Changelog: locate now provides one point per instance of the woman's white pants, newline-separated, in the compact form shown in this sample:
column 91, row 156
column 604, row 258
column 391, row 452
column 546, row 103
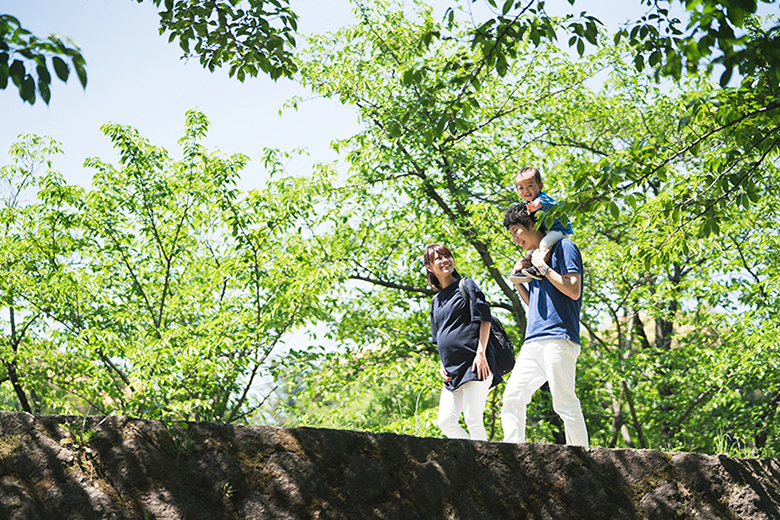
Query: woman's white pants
column 469, row 398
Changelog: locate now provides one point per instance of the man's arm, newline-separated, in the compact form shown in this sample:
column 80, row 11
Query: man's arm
column 522, row 289
column 570, row 284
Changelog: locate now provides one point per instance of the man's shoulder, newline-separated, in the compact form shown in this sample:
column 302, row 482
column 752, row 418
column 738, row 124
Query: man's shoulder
column 565, row 245
column 567, row 252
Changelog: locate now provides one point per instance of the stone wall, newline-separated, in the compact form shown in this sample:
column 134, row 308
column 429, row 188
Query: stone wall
column 55, row 467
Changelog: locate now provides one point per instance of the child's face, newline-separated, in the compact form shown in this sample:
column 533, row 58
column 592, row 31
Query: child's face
column 527, row 186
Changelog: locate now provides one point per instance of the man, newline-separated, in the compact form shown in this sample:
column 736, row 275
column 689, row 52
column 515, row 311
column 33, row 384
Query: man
column 552, row 339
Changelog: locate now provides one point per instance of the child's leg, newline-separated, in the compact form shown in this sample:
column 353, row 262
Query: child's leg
column 550, row 239
column 545, row 246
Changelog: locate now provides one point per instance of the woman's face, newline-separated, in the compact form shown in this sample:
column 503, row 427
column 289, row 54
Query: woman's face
column 442, row 265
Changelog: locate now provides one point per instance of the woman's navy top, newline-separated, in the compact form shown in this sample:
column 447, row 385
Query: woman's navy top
column 455, row 331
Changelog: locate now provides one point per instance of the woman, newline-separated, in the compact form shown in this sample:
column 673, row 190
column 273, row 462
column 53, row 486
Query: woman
column 460, row 328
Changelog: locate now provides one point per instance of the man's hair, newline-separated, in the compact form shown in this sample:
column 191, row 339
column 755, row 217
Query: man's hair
column 518, row 214
column 526, row 169
column 431, row 252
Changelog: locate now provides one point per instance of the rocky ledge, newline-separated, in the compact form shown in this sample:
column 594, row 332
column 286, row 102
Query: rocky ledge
column 57, row 467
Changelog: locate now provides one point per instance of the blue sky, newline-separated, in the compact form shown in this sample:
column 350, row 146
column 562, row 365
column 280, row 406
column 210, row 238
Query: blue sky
column 136, row 77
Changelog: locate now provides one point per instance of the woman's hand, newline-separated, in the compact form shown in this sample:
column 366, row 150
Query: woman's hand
column 444, row 375
column 480, row 366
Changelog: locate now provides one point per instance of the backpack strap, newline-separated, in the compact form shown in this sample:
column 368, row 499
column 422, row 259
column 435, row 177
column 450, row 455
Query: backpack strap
column 462, row 289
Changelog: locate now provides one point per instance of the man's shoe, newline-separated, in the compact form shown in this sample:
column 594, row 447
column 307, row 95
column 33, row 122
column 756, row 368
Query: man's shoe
column 519, row 278
column 532, row 272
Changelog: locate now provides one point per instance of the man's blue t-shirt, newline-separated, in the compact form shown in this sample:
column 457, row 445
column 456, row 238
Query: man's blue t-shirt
column 552, row 314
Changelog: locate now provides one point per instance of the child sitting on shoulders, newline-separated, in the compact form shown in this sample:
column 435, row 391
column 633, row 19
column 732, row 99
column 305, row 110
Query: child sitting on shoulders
column 528, row 182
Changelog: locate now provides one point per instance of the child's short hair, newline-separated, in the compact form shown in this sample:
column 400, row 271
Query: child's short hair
column 526, row 169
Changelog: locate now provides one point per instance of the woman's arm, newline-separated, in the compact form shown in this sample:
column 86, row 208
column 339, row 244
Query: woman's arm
column 480, row 366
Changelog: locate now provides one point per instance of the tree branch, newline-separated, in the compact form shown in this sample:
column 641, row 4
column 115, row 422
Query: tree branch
column 393, row 285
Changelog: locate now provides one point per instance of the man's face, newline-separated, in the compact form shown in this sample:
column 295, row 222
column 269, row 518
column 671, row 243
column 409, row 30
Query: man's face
column 525, row 237
column 527, row 186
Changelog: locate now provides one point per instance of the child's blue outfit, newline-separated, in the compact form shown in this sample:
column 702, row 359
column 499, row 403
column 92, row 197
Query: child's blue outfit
column 547, row 204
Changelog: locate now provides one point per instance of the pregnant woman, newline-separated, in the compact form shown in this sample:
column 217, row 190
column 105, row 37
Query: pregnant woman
column 460, row 328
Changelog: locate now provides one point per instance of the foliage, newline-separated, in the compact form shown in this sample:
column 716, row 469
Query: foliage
column 249, row 36
column 718, row 33
column 443, row 137
column 20, row 50
column 673, row 327
column 162, row 292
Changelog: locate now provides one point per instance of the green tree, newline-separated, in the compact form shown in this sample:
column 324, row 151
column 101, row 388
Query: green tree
column 248, row 36
column 717, row 33
column 19, row 181
column 443, row 136
column 20, row 49
column 162, row 292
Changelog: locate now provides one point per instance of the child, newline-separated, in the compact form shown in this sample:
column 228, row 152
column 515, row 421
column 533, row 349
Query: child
column 528, row 182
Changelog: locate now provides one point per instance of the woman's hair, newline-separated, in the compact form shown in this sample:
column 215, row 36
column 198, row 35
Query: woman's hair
column 431, row 252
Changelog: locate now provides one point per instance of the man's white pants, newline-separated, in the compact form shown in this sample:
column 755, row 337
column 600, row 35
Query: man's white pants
column 552, row 360
column 468, row 398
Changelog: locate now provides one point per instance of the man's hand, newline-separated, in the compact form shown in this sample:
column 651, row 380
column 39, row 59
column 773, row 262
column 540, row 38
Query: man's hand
column 444, row 375
column 521, row 264
column 539, row 258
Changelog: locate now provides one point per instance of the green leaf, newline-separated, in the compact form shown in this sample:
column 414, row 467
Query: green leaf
column 27, row 89
column 61, row 68
column 43, row 89
column 725, row 77
column 639, row 62
column 78, row 64
column 17, row 72
column 507, row 7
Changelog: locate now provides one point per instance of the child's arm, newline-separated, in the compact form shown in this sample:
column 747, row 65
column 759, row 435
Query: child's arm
column 534, row 205
column 542, row 201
